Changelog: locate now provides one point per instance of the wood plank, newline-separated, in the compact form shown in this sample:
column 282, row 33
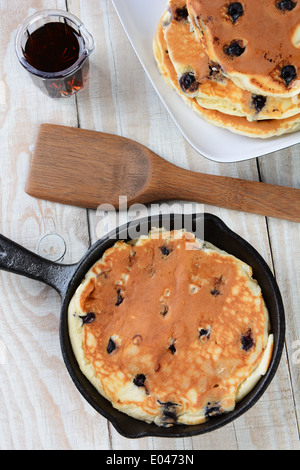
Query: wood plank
column 42, row 409
column 284, row 167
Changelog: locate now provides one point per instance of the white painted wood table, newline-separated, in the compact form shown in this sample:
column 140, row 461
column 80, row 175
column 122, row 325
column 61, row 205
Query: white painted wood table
column 39, row 406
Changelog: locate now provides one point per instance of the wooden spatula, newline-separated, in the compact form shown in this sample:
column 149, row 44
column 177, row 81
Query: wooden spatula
column 88, row 168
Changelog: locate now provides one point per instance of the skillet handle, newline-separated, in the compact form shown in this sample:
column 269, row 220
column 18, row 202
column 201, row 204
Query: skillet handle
column 18, row 260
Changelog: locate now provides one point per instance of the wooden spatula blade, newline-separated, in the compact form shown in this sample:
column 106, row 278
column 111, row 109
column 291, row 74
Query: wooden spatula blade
column 85, row 168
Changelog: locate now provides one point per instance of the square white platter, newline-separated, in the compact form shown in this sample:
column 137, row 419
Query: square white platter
column 139, row 19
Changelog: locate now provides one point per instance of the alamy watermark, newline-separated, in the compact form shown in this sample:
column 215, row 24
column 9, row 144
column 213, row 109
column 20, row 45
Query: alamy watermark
column 170, row 216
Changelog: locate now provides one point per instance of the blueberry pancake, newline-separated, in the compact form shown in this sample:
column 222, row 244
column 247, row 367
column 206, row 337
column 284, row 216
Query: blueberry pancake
column 256, row 44
column 200, row 78
column 170, row 329
column 240, row 125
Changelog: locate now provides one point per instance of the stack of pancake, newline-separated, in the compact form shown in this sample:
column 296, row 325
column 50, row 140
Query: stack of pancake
column 237, row 64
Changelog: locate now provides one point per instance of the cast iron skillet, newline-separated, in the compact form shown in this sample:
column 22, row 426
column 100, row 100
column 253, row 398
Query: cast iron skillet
column 66, row 278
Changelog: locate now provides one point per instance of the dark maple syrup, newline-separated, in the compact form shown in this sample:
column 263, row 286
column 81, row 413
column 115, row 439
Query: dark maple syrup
column 53, row 48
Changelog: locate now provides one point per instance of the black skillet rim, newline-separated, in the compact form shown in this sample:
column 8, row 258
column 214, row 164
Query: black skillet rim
column 128, row 426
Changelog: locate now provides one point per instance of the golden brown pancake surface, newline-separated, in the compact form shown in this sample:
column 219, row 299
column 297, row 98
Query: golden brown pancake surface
column 202, row 79
column 169, row 328
column 256, row 43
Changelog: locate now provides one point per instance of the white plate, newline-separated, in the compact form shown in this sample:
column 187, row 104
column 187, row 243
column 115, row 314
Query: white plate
column 139, row 19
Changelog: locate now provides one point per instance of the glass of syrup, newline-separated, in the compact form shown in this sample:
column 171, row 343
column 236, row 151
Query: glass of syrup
column 54, row 47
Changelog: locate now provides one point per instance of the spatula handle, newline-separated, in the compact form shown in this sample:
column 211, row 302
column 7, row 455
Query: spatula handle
column 237, row 194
